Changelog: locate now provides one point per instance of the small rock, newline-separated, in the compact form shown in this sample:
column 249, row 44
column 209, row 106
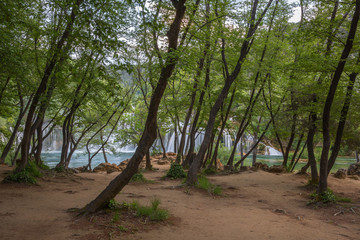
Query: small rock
column 341, row 173
column 354, row 169
column 107, row 167
column 259, row 165
column 278, row 210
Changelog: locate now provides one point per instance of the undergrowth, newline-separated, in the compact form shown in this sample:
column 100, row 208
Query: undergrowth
column 176, row 171
column 153, row 212
column 28, row 175
column 327, row 197
column 209, row 171
column 139, row 177
column 205, row 184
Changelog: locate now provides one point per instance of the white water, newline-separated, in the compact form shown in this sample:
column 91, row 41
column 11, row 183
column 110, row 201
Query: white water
column 52, row 148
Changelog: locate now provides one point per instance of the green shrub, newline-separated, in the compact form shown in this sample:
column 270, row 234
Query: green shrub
column 113, row 204
column 205, row 184
column 209, row 171
column 139, row 177
column 153, row 212
column 43, row 166
column 28, row 175
column 20, row 177
column 59, row 169
column 326, row 197
column 33, row 169
column 175, row 171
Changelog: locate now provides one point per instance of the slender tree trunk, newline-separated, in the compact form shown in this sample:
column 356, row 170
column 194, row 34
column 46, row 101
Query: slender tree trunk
column 103, row 146
column 148, row 165
column 330, row 98
column 310, row 149
column 149, row 134
column 25, row 144
column 224, row 120
column 4, row 88
column 161, row 143
column 39, row 144
column 255, row 139
column 357, row 156
column 190, row 156
column 342, row 121
column 9, row 144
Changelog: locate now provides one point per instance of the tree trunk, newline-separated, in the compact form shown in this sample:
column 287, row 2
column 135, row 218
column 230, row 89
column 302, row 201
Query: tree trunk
column 102, row 146
column 149, row 134
column 161, row 143
column 25, row 144
column 148, row 165
column 255, row 139
column 342, row 121
column 357, row 156
column 310, row 149
column 330, row 98
column 9, row 144
column 213, row 160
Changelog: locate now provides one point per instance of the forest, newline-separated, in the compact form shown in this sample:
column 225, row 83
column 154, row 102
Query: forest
column 283, row 73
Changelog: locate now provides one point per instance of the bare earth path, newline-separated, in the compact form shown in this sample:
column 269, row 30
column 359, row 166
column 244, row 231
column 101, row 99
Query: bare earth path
column 253, row 205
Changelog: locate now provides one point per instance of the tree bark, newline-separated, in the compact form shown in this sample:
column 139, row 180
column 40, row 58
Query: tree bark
column 25, row 144
column 149, row 134
column 195, row 166
column 330, row 98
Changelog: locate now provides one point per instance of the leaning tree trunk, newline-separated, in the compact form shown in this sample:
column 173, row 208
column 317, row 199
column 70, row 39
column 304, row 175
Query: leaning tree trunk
column 195, row 166
column 149, row 135
column 330, row 98
column 25, row 143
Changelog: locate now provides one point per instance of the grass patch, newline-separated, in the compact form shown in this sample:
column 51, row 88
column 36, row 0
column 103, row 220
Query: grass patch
column 205, row 184
column 209, row 171
column 327, row 198
column 139, row 177
column 28, row 175
column 176, row 171
column 153, row 212
column 343, row 199
column 20, row 177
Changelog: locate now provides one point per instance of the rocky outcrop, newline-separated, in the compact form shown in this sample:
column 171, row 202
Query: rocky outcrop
column 277, row 169
column 354, row 169
column 107, row 167
column 341, row 173
column 259, row 165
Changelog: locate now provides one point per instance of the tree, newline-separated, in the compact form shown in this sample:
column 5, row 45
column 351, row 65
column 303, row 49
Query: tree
column 149, row 133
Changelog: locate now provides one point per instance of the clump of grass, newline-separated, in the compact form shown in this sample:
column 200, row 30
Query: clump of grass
column 122, row 228
column 20, row 177
column 209, row 171
column 153, row 212
column 59, row 169
column 327, row 197
column 28, row 175
column 343, row 199
column 205, row 184
column 176, row 171
column 116, row 217
column 139, row 177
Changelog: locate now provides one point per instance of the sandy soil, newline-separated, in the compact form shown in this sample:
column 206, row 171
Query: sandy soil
column 253, row 205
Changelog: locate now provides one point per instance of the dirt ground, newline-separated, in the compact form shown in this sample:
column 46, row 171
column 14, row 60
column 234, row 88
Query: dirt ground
column 253, row 205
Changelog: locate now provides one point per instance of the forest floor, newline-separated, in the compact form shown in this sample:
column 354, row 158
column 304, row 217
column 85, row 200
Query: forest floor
column 253, row 205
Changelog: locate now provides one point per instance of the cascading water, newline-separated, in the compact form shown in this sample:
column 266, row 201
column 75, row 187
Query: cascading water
column 116, row 152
